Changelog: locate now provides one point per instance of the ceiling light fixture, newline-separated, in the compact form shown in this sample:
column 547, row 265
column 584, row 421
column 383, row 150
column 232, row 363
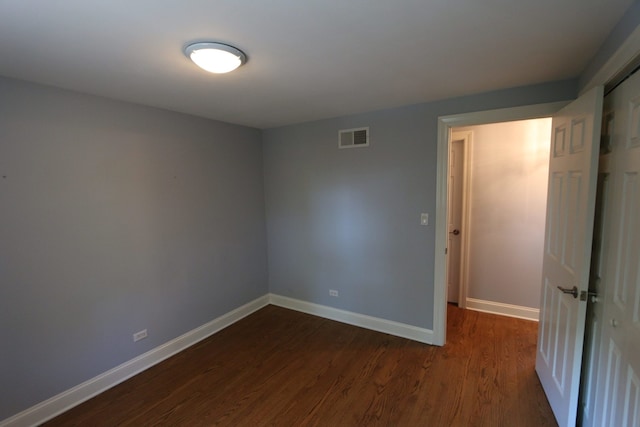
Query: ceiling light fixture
column 215, row 57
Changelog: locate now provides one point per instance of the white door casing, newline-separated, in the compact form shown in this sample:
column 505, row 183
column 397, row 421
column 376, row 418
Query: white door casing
column 445, row 125
column 567, row 250
column 616, row 401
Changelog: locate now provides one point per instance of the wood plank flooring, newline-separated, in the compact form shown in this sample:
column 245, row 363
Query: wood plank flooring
column 283, row 368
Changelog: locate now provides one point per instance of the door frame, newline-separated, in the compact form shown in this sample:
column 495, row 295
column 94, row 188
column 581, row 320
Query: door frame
column 618, row 61
column 466, row 136
column 445, row 125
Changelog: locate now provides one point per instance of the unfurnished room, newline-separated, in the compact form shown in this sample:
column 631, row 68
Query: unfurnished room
column 357, row 213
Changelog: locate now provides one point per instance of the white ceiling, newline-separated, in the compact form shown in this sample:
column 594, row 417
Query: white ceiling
column 308, row 59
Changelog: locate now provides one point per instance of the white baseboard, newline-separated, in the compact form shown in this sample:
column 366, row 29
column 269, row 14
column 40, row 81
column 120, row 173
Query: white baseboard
column 518, row 311
column 68, row 399
column 374, row 323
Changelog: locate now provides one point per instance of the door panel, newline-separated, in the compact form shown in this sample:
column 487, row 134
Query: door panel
column 631, row 413
column 554, row 207
column 559, row 134
column 569, row 229
column 578, row 136
column 572, row 230
column 612, row 379
column 544, row 333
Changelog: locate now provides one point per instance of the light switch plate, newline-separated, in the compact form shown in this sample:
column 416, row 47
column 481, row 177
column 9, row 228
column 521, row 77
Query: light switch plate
column 424, row 219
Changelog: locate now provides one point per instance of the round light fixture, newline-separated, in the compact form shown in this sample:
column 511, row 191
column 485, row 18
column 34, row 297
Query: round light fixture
column 215, row 57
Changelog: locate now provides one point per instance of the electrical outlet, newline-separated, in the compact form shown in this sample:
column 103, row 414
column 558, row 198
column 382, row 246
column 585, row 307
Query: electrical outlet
column 140, row 335
column 333, row 293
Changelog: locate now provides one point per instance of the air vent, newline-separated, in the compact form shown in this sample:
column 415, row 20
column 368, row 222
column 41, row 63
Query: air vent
column 351, row 138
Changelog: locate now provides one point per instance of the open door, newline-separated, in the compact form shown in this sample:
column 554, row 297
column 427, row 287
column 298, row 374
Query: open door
column 456, row 190
column 567, row 251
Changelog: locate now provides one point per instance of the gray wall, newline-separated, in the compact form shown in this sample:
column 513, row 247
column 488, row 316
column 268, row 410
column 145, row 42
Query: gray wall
column 349, row 219
column 114, row 218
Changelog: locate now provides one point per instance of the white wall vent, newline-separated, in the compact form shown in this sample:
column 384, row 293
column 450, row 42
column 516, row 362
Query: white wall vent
column 352, row 138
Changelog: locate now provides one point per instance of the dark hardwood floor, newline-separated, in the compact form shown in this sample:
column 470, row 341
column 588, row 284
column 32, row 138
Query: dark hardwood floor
column 283, row 368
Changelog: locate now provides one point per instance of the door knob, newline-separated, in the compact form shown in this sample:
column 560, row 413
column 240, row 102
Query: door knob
column 455, row 232
column 573, row 291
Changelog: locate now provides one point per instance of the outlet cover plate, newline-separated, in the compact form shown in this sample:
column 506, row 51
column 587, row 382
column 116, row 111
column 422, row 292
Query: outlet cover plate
column 140, row 335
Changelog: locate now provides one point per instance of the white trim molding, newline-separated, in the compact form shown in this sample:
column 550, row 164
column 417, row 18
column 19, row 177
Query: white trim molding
column 66, row 400
column 502, row 309
column 368, row 322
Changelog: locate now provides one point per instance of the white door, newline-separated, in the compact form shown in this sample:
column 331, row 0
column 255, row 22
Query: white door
column 593, row 327
column 456, row 173
column 567, row 250
column 617, row 395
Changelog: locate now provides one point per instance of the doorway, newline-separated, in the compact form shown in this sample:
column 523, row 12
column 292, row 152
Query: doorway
column 497, row 207
column 445, row 127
